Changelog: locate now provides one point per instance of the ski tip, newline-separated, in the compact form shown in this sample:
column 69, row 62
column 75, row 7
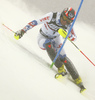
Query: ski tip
column 57, row 76
column 82, row 91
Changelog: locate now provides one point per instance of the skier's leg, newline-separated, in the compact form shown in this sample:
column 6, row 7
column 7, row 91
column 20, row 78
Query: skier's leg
column 71, row 69
column 48, row 45
column 68, row 64
column 59, row 64
column 73, row 72
column 56, row 43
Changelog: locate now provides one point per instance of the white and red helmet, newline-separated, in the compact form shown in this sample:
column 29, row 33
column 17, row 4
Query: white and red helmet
column 69, row 13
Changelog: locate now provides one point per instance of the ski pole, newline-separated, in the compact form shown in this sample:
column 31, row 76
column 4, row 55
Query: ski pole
column 81, row 52
column 67, row 35
column 8, row 28
column 16, row 37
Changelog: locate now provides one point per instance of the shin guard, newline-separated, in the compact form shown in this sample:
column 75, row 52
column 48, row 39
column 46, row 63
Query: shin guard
column 51, row 52
column 71, row 68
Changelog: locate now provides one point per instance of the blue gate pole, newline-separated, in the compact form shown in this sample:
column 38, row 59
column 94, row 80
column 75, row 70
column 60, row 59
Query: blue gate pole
column 67, row 35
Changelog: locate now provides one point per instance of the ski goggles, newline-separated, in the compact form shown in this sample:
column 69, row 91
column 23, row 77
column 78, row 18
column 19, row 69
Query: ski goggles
column 66, row 19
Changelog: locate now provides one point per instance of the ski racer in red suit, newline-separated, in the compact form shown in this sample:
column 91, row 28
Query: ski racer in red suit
column 49, row 39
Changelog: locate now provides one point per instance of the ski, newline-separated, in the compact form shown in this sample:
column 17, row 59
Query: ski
column 61, row 78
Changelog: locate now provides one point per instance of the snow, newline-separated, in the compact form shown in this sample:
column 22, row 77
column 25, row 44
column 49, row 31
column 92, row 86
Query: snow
column 24, row 67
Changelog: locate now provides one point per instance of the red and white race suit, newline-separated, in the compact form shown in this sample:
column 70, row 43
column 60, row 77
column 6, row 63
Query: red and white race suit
column 48, row 32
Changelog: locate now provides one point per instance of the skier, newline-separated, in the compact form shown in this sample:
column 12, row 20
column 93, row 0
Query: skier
column 49, row 39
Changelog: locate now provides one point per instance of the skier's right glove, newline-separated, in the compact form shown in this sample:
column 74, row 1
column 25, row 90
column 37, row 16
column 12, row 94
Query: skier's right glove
column 19, row 34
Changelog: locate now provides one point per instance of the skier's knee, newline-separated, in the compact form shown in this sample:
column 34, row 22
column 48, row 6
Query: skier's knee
column 65, row 60
column 47, row 42
column 62, row 57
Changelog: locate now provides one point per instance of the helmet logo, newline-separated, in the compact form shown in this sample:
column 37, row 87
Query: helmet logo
column 70, row 15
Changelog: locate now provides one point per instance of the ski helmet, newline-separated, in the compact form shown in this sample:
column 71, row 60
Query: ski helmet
column 68, row 14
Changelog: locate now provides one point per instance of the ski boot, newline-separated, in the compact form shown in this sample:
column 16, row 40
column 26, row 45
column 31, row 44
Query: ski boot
column 61, row 72
column 78, row 81
column 82, row 89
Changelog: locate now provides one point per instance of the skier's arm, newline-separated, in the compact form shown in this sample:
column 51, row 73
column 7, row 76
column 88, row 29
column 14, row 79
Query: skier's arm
column 63, row 33
column 72, row 35
column 30, row 25
column 43, row 19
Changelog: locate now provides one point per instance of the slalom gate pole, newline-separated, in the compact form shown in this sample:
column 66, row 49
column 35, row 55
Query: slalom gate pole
column 81, row 52
column 8, row 28
column 67, row 35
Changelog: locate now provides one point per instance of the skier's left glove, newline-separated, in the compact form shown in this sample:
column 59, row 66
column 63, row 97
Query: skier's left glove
column 19, row 34
column 62, row 32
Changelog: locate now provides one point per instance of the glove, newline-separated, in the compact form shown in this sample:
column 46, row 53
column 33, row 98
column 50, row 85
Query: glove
column 19, row 34
column 62, row 32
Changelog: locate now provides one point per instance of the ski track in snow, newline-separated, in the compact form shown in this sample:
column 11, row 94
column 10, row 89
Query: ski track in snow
column 24, row 67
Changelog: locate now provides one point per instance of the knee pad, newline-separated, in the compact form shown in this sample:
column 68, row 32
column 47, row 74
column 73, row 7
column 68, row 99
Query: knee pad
column 48, row 41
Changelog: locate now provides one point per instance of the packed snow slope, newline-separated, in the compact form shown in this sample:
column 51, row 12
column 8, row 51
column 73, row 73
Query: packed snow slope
column 25, row 72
